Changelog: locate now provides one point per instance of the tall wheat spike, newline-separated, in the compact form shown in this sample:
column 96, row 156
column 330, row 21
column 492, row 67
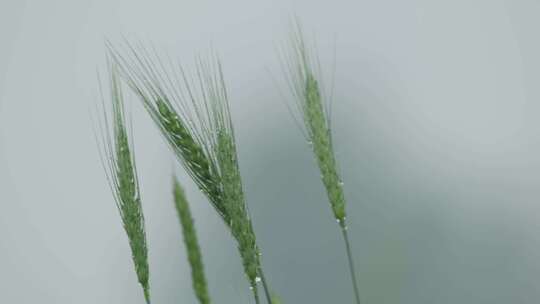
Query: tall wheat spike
column 301, row 66
column 192, row 245
column 192, row 113
column 119, row 162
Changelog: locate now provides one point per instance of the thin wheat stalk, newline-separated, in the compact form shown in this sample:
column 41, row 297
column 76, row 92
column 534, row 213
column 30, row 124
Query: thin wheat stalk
column 301, row 67
column 119, row 162
column 192, row 113
column 192, row 245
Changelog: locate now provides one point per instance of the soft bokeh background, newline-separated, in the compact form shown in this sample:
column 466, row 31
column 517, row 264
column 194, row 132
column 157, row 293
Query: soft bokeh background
column 436, row 123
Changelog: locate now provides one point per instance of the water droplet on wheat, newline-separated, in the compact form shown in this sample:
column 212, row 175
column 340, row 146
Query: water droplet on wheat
column 340, row 183
column 257, row 279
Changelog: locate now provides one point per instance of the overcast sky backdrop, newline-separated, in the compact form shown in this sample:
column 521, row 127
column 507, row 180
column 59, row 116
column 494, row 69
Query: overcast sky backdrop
column 436, row 123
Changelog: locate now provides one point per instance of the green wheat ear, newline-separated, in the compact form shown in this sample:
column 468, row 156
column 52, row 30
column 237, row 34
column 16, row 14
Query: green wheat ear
column 119, row 162
column 192, row 245
column 310, row 103
column 168, row 98
column 233, row 198
column 193, row 115
column 315, row 115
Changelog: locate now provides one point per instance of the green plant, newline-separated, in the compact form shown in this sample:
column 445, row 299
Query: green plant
column 198, row 128
column 119, row 161
column 192, row 113
column 192, row 245
column 305, row 85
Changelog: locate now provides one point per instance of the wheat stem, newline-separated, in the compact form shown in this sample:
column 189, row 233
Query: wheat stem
column 265, row 286
column 256, row 295
column 351, row 262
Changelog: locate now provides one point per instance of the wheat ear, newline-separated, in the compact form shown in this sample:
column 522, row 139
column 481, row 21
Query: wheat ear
column 165, row 96
column 191, row 243
column 305, row 85
column 193, row 115
column 119, row 162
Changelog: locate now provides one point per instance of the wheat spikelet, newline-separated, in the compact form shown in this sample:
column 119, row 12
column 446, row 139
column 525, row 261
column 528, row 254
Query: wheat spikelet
column 119, row 162
column 314, row 114
column 166, row 96
column 306, row 87
column 224, row 146
column 233, row 196
column 192, row 245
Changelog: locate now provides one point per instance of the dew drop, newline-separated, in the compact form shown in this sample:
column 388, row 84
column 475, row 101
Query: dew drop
column 340, row 183
column 257, row 279
column 250, row 287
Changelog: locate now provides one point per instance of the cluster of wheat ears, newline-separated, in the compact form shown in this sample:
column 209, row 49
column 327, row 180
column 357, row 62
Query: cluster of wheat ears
column 192, row 113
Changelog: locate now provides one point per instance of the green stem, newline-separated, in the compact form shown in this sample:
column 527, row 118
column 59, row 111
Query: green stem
column 265, row 286
column 256, row 295
column 351, row 263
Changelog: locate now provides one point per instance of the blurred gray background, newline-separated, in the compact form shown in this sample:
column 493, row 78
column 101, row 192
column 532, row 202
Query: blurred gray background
column 437, row 131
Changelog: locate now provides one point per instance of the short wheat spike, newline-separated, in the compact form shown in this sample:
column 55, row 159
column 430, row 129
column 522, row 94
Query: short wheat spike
column 310, row 101
column 192, row 245
column 122, row 175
